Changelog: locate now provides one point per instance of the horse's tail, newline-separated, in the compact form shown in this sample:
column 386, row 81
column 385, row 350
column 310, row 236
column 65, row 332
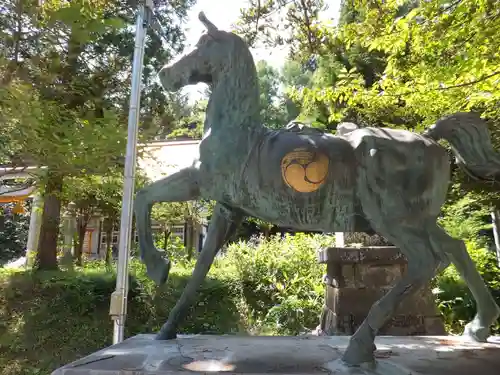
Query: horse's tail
column 471, row 144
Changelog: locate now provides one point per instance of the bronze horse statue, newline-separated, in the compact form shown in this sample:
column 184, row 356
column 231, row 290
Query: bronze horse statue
column 392, row 181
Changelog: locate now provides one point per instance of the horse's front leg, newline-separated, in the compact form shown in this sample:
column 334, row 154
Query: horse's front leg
column 181, row 186
column 222, row 225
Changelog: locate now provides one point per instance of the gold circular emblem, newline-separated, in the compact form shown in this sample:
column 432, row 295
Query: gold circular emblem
column 303, row 170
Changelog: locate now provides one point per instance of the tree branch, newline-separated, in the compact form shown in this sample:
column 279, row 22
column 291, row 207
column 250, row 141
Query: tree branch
column 483, row 78
column 459, row 85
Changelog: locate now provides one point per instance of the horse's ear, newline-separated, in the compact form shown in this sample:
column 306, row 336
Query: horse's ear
column 211, row 28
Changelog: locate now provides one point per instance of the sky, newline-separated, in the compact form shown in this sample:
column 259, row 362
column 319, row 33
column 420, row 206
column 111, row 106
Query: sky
column 224, row 13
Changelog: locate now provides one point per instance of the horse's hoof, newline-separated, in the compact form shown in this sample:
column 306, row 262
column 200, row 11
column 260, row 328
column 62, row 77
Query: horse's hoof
column 476, row 332
column 158, row 270
column 167, row 332
column 357, row 353
column 479, row 328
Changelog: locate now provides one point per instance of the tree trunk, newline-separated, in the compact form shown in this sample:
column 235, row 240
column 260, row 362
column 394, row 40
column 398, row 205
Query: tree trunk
column 109, row 233
column 189, row 238
column 266, row 230
column 79, row 245
column 83, row 221
column 46, row 257
column 166, row 236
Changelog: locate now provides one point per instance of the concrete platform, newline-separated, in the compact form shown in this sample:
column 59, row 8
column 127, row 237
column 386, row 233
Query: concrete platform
column 302, row 355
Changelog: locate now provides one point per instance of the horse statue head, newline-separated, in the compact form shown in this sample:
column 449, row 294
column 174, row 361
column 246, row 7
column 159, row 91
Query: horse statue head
column 216, row 54
column 222, row 60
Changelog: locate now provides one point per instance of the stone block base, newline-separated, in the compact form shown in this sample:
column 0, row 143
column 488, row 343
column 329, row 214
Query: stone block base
column 301, row 355
column 357, row 277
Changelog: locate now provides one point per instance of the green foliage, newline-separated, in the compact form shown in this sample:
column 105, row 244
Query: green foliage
column 282, row 22
column 89, row 190
column 60, row 122
column 168, row 214
column 454, row 299
column 65, row 86
column 439, row 59
column 277, row 106
column 177, row 252
column 95, row 195
column 281, row 281
column 80, row 121
column 98, row 192
column 272, row 112
column 193, row 122
column 396, row 64
column 465, row 217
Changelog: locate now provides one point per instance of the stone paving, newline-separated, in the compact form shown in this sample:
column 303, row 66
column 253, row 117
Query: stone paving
column 301, row 355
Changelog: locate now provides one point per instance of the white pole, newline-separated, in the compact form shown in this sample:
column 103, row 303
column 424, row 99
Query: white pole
column 118, row 306
column 34, row 228
column 339, row 239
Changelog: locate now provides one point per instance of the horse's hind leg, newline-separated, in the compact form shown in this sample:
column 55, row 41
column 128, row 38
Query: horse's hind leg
column 487, row 309
column 423, row 263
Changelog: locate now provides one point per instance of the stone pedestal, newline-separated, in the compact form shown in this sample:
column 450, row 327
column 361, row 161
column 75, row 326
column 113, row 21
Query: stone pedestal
column 302, row 355
column 357, row 277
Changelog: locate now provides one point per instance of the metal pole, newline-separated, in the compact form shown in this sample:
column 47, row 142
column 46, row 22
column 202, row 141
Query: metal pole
column 339, row 239
column 118, row 305
column 34, row 228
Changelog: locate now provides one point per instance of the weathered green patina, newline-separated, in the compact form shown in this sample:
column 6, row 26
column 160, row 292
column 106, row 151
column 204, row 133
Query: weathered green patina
column 392, row 181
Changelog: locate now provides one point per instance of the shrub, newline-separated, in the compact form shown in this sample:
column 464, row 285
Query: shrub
column 176, row 251
column 465, row 218
column 280, row 281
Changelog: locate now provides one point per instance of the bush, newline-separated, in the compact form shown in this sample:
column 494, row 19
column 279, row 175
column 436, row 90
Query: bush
column 465, row 218
column 176, row 250
column 280, row 281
